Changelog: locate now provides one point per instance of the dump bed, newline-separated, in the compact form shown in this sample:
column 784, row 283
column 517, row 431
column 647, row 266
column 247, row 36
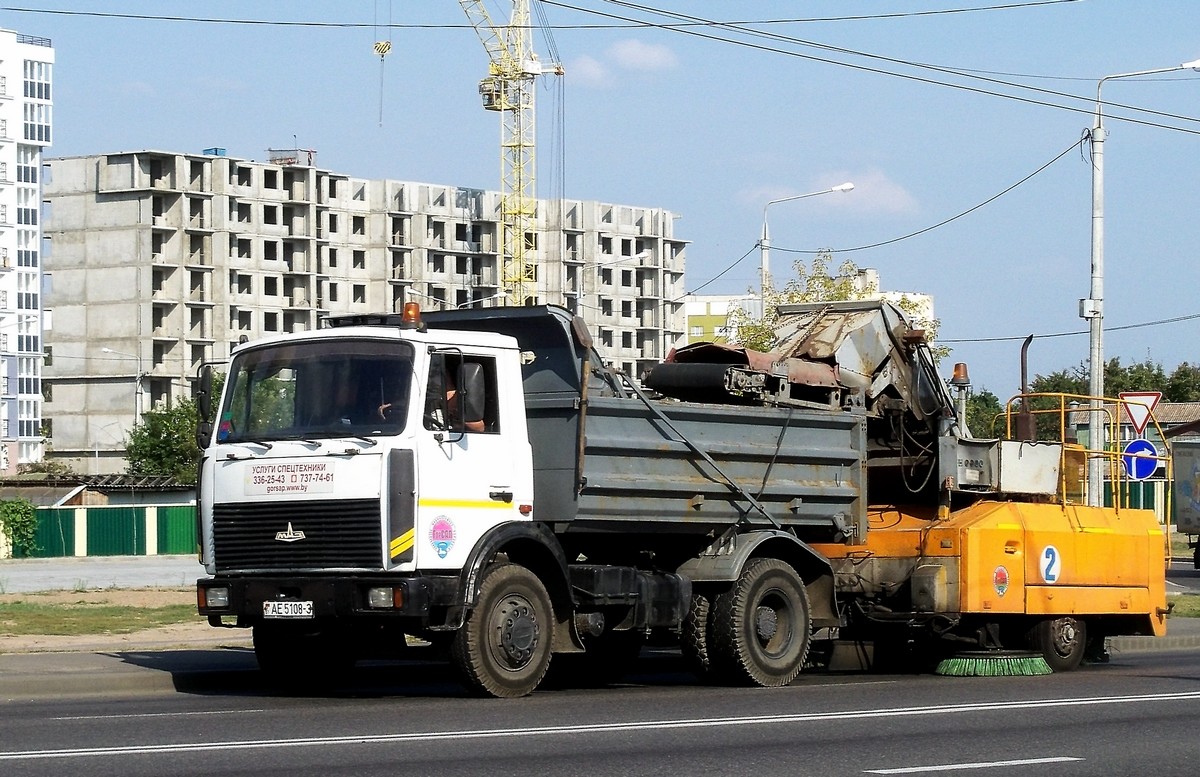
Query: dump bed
column 643, row 468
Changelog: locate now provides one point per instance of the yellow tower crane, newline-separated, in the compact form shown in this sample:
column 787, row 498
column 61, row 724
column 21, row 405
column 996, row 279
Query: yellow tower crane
column 509, row 90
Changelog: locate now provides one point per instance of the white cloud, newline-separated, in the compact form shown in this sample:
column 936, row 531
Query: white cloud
column 874, row 191
column 635, row 55
column 588, row 71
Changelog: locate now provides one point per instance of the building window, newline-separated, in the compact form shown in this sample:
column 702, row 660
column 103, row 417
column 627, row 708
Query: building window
column 333, row 257
column 333, row 292
column 359, row 225
column 359, row 292
column 270, row 214
column 360, row 260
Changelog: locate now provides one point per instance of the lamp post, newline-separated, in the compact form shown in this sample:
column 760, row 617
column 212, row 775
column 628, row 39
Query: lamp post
column 473, row 302
column 137, row 381
column 413, row 292
column 764, row 245
column 1092, row 308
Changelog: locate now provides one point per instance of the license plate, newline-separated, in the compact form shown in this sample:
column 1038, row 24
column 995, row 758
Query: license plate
column 287, row 609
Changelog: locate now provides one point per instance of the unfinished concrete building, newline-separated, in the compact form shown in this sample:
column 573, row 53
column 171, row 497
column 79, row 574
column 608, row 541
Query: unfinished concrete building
column 163, row 261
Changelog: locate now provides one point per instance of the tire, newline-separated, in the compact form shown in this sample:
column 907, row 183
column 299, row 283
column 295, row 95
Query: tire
column 761, row 628
column 1061, row 641
column 503, row 647
column 693, row 637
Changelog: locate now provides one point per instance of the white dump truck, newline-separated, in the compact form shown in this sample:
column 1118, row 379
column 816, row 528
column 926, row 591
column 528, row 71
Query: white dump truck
column 478, row 482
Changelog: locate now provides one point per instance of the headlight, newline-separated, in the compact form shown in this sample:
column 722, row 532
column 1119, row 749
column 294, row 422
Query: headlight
column 379, row 598
column 214, row 598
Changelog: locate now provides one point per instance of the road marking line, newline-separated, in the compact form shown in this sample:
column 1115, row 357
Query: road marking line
column 975, row 765
column 156, row 715
column 591, row 728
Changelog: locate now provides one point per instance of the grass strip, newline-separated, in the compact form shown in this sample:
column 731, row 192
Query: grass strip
column 24, row 617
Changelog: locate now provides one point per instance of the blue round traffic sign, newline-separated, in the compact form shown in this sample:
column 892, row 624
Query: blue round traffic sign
column 1140, row 459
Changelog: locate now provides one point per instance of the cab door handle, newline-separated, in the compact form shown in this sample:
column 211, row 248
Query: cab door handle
column 501, row 496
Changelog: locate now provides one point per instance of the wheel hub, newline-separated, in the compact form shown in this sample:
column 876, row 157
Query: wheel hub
column 766, row 623
column 518, row 631
column 1065, row 636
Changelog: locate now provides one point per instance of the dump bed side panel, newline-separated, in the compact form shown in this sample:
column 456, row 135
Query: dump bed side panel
column 804, row 467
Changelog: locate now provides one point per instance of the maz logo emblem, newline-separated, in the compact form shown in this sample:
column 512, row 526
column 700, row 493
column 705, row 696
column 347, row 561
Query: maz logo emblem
column 290, row 535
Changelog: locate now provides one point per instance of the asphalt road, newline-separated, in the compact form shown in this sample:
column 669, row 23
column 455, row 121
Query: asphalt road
column 1126, row 717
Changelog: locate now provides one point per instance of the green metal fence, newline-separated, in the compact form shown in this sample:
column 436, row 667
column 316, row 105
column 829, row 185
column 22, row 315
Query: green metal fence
column 113, row 531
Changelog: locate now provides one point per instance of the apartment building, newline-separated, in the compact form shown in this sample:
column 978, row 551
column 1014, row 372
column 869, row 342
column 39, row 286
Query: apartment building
column 26, row 65
column 163, row 261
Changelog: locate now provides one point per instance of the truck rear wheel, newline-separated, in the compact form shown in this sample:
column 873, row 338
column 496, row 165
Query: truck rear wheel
column 1061, row 641
column 693, row 638
column 503, row 647
column 761, row 627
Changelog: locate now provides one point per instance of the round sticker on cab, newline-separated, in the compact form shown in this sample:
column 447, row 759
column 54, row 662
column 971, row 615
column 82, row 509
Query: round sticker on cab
column 1050, row 565
column 442, row 535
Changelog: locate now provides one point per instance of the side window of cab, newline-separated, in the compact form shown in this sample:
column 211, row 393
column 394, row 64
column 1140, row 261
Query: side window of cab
column 462, row 395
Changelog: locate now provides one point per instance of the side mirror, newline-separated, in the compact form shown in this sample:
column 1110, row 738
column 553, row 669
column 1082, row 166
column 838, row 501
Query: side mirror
column 471, row 392
column 204, row 404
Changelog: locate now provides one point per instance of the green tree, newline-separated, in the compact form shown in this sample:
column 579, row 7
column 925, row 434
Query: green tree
column 1140, row 376
column 18, row 522
column 164, row 443
column 1183, row 385
column 817, row 284
column 984, row 414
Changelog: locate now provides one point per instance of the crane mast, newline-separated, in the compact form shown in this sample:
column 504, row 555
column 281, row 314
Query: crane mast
column 508, row 89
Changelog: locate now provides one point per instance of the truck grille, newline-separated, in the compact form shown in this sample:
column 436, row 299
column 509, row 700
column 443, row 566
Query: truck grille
column 336, row 534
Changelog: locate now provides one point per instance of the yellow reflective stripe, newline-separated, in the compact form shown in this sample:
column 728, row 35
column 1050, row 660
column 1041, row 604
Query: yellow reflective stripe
column 401, row 543
column 466, row 503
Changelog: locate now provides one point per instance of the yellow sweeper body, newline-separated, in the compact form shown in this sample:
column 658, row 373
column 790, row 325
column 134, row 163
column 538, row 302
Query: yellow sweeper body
column 993, row 559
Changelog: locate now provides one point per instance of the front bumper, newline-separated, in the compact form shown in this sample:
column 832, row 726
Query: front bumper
column 332, row 596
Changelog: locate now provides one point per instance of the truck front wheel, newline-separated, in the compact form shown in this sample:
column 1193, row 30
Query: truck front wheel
column 503, row 647
column 762, row 626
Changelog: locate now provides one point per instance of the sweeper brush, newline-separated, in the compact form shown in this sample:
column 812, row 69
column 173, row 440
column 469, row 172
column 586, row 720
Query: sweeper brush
column 994, row 663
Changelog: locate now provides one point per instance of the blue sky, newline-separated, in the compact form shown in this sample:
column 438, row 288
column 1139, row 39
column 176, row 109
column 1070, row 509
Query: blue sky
column 713, row 129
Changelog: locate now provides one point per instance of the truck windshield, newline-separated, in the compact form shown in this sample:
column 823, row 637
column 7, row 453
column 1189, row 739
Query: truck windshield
column 333, row 388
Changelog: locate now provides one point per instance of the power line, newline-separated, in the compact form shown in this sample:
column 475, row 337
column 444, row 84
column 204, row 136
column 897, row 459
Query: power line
column 932, row 227
column 1126, row 327
column 877, row 70
column 627, row 25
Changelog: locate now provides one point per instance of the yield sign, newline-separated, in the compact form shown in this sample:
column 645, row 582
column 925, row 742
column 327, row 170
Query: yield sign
column 1138, row 406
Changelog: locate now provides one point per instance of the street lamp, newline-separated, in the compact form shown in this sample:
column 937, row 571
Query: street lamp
column 764, row 245
column 137, row 381
column 1092, row 308
column 443, row 303
column 472, row 302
